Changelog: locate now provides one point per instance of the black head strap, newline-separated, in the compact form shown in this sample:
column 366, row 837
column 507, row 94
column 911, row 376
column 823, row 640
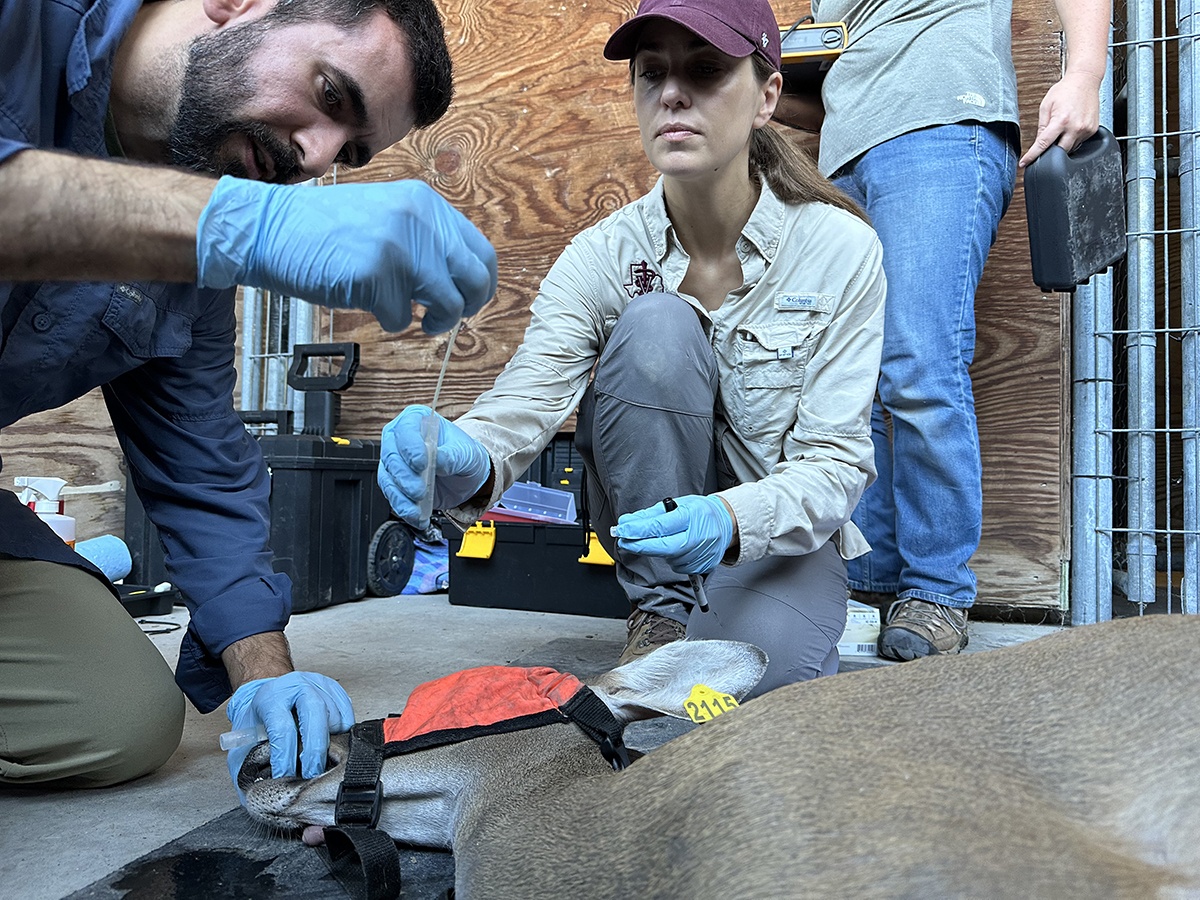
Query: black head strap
column 359, row 801
column 596, row 720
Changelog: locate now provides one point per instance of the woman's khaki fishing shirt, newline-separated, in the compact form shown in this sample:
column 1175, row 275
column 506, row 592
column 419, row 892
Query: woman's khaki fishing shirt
column 797, row 349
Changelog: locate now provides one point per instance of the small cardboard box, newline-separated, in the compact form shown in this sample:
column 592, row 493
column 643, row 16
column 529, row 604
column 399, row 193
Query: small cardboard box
column 862, row 630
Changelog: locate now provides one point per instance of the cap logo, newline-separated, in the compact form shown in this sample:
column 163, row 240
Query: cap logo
column 765, row 40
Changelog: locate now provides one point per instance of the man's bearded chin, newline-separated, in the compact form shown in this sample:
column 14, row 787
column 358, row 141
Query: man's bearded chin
column 215, row 81
column 197, row 143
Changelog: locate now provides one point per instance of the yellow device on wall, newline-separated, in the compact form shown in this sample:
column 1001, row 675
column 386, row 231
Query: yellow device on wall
column 808, row 49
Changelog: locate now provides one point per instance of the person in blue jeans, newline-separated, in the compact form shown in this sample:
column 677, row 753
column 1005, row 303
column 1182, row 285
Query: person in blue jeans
column 148, row 155
column 920, row 128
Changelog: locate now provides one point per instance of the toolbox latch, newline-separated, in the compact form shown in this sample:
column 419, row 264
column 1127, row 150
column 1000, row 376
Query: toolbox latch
column 596, row 555
column 478, row 541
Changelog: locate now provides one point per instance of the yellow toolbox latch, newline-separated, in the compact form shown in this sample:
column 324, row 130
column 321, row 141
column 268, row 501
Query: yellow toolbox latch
column 478, row 541
column 596, row 554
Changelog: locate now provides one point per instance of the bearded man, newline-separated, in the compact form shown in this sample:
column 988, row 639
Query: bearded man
column 148, row 155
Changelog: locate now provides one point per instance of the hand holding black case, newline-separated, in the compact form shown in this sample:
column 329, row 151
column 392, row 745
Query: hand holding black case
column 1075, row 205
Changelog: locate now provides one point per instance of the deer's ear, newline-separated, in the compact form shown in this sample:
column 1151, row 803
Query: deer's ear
column 658, row 683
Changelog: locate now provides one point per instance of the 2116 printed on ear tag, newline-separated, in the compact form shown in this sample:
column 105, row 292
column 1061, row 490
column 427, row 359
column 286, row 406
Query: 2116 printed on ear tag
column 703, row 703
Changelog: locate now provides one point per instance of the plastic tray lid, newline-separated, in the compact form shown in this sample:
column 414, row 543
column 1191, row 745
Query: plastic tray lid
column 529, row 500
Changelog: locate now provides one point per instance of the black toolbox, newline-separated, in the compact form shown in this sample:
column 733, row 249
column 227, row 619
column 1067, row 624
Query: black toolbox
column 331, row 530
column 326, row 508
column 537, row 565
column 330, row 527
column 533, row 566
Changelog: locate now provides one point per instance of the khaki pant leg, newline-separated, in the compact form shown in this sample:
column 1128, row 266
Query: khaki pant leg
column 86, row 700
column 793, row 607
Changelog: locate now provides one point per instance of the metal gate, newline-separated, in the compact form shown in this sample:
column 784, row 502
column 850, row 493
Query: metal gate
column 1136, row 339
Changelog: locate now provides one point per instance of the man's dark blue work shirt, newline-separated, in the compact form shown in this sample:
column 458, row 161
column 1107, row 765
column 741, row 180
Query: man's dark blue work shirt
column 162, row 353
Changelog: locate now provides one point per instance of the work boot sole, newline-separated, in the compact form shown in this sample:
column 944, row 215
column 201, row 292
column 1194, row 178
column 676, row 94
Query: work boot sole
column 903, row 645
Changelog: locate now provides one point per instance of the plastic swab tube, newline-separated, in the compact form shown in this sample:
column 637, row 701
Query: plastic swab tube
column 429, row 433
column 231, row 740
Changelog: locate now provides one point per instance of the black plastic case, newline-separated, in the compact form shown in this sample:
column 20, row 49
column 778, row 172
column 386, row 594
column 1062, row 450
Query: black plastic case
column 330, row 527
column 326, row 506
column 1076, row 210
column 535, row 566
column 147, row 600
column 559, row 466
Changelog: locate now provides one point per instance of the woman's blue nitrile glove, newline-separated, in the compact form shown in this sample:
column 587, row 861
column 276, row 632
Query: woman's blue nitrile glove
column 692, row 538
column 320, row 706
column 463, row 465
column 377, row 247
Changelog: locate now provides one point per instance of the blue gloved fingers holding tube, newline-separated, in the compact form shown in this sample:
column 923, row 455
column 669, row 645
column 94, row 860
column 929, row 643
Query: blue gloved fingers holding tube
column 692, row 537
column 314, row 703
column 463, row 465
column 376, row 247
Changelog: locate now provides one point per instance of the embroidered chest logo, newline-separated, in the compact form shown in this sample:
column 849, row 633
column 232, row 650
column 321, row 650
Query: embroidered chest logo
column 642, row 280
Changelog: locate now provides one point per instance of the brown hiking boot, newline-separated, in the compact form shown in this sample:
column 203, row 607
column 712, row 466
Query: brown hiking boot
column 916, row 628
column 648, row 631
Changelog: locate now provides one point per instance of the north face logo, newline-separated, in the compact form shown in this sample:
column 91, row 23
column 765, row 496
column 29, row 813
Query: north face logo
column 642, row 280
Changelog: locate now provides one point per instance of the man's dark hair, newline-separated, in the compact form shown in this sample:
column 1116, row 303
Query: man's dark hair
column 421, row 24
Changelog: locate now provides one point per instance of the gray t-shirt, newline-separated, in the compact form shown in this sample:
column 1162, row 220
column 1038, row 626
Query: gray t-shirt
column 910, row 64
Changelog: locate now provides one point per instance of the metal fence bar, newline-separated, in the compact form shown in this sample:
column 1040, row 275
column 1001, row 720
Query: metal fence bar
column 1090, row 582
column 1189, row 91
column 1167, row 170
column 1091, row 464
column 301, row 321
column 276, row 393
column 251, row 383
column 1140, row 344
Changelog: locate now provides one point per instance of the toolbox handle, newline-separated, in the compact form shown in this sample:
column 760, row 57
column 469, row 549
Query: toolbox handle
column 339, row 381
column 281, row 418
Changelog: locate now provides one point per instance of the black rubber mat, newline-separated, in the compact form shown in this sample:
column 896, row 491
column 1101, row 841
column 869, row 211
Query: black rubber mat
column 232, row 858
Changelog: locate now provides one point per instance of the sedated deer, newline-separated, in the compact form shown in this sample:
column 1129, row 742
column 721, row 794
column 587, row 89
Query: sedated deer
column 1065, row 767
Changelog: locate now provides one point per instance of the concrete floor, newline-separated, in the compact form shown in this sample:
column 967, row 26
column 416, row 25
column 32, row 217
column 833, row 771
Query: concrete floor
column 52, row 844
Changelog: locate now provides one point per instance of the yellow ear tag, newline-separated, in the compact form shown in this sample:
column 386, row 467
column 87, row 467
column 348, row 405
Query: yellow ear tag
column 703, row 703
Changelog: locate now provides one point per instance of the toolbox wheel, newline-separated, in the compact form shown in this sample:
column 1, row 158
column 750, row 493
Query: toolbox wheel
column 390, row 559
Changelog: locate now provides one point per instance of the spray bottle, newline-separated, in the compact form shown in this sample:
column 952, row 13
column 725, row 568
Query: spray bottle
column 42, row 496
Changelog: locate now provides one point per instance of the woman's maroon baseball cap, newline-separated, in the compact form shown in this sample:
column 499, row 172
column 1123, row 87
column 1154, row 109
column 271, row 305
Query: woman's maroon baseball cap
column 736, row 27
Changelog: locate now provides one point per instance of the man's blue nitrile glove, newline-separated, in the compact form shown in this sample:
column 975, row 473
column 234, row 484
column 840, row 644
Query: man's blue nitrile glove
column 320, row 706
column 378, row 247
column 463, row 465
column 692, row 538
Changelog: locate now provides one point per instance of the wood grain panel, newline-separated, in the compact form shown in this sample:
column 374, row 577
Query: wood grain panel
column 582, row 134
column 1019, row 371
column 540, row 143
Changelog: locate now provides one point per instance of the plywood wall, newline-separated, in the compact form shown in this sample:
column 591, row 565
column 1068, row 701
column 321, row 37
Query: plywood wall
column 539, row 144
